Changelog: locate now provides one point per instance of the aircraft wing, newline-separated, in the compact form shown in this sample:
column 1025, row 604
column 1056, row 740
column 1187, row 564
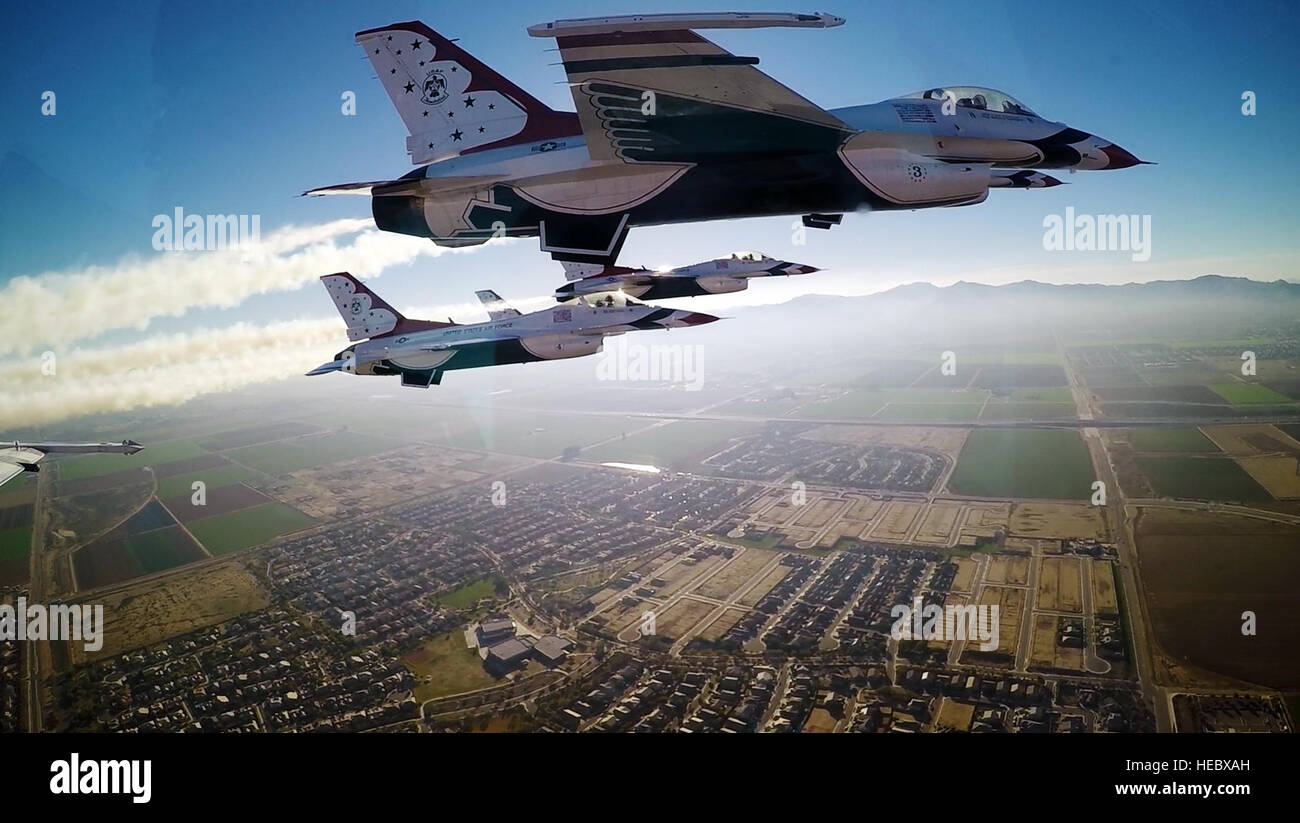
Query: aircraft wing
column 406, row 186
column 649, row 89
column 13, row 460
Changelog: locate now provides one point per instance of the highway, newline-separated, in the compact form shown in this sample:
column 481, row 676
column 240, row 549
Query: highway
column 1125, row 542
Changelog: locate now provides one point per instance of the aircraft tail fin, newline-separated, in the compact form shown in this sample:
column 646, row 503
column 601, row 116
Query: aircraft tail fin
column 497, row 308
column 366, row 313
column 450, row 102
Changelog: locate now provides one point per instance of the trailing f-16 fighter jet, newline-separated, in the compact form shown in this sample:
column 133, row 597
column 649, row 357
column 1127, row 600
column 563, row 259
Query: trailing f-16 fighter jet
column 421, row 350
column 672, row 128
column 16, row 458
column 726, row 274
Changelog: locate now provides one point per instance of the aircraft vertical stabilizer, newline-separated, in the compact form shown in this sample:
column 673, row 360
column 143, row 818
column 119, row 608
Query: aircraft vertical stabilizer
column 451, row 102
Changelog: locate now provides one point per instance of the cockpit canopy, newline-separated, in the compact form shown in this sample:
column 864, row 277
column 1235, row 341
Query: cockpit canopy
column 975, row 97
column 751, row 256
column 609, row 300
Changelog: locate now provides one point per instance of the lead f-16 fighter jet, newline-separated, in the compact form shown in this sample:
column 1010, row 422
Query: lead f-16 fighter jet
column 720, row 276
column 672, row 128
column 16, row 458
column 421, row 350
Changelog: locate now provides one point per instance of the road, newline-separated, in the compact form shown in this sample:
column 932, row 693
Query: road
column 1122, row 530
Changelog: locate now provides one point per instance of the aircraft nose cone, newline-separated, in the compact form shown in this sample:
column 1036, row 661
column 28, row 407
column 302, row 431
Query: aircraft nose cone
column 1119, row 158
column 802, row 269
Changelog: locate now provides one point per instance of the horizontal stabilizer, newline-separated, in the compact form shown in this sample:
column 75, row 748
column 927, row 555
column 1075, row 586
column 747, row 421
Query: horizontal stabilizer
column 326, row 368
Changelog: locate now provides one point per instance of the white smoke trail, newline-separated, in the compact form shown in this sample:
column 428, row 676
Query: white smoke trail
column 174, row 368
column 63, row 307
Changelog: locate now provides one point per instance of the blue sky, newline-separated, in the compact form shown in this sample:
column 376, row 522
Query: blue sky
column 235, row 107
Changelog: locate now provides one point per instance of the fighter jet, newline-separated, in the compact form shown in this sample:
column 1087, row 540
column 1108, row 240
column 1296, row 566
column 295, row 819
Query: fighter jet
column 672, row 128
column 421, row 350
column 725, row 274
column 16, row 458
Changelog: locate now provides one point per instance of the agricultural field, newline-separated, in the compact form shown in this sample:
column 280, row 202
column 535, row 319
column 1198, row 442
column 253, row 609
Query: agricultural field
column 217, row 501
column 148, row 542
column 223, row 475
column 1019, row 376
column 15, row 547
column 226, row 533
column 1252, row 439
column 930, row 411
column 680, row 445
column 286, row 456
column 1055, row 394
column 1280, row 476
column 1001, row 410
column 854, row 405
column 1201, row 478
column 1200, row 570
column 1171, row 440
column 257, row 434
column 1015, row 463
column 1241, row 393
column 155, row 454
column 1058, row 521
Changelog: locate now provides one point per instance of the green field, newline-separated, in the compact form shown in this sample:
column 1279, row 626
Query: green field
column 1023, row 463
column 930, row 411
column 212, row 478
column 677, row 445
column 854, row 405
column 1201, row 478
column 224, row 533
column 445, row 666
column 1171, row 440
column 15, row 543
column 1248, row 393
column 161, row 549
column 760, row 408
column 1028, row 410
column 291, row 455
column 93, row 465
column 469, row 594
column 1056, row 394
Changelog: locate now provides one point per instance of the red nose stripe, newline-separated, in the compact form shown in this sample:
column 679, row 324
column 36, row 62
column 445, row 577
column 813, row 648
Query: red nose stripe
column 1119, row 158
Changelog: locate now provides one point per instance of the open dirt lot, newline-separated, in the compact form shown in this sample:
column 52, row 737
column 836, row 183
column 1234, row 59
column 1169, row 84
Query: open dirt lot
column 151, row 612
column 1059, row 585
column 1058, row 521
